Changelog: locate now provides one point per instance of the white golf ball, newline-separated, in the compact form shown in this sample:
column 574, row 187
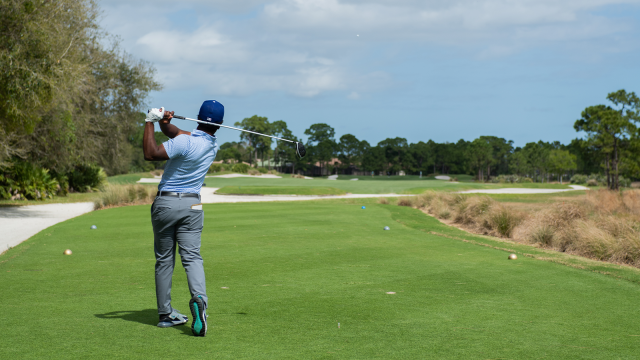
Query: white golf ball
column 386, row 228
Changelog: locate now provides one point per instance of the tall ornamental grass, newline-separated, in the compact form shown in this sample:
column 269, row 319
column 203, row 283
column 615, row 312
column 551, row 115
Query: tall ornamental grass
column 121, row 195
column 604, row 225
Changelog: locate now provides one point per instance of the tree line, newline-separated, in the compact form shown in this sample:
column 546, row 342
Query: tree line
column 71, row 100
column 610, row 144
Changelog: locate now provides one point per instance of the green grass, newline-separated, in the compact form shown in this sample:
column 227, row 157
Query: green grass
column 280, row 190
column 70, row 198
column 294, row 271
column 128, row 178
column 462, row 177
column 368, row 187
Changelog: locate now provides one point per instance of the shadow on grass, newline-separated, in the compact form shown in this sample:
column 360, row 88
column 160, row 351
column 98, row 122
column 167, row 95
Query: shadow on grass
column 146, row 317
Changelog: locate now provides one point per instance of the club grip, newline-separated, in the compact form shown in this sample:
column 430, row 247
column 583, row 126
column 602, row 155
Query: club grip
column 178, row 117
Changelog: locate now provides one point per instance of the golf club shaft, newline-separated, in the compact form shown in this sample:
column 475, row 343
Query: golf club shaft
column 230, row 127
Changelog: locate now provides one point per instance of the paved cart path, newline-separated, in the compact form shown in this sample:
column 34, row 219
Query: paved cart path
column 18, row 223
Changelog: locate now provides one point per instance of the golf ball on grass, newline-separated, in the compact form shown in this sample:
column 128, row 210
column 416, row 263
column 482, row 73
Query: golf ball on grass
column 513, row 256
column 386, row 228
column 93, row 227
column 67, row 252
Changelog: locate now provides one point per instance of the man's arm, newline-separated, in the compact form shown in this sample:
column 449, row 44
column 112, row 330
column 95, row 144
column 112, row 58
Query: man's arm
column 169, row 129
column 152, row 151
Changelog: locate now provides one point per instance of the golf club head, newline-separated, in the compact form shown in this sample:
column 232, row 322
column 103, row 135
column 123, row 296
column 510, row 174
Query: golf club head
column 300, row 150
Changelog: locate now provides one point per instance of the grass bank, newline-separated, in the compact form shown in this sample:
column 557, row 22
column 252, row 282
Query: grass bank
column 70, row 198
column 279, row 190
column 600, row 224
column 282, row 276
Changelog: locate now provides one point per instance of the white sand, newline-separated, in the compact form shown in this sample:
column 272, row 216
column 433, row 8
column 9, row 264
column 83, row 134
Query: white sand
column 263, row 176
column 208, row 197
column 443, row 177
column 18, row 223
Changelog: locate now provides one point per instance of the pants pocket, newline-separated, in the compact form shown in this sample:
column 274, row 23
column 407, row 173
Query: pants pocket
column 195, row 219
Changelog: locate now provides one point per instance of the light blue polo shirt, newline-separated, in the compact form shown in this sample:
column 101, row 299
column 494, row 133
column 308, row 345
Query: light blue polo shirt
column 189, row 159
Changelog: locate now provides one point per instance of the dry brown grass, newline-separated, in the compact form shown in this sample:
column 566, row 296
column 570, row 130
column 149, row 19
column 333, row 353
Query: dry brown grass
column 121, row 195
column 383, row 201
column 479, row 214
column 602, row 225
column 405, row 201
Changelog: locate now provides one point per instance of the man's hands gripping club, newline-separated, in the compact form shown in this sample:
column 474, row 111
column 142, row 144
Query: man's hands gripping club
column 155, row 115
column 153, row 151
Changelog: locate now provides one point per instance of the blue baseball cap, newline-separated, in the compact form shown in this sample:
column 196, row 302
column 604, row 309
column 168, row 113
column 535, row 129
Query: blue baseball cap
column 211, row 111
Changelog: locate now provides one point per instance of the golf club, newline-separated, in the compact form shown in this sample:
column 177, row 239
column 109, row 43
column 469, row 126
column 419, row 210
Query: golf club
column 300, row 150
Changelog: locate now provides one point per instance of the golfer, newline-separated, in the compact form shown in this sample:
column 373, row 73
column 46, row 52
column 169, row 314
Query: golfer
column 176, row 213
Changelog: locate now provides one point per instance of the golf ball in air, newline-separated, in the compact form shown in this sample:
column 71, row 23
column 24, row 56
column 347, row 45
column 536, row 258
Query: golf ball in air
column 68, row 252
column 363, row 207
column 512, row 257
column 93, row 227
column 386, row 228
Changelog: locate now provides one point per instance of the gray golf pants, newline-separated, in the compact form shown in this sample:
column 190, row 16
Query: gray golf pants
column 176, row 223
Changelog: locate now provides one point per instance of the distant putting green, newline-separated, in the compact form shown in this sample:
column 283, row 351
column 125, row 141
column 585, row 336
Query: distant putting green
column 280, row 190
column 313, row 280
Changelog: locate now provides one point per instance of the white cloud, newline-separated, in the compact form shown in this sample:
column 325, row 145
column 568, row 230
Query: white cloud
column 309, row 47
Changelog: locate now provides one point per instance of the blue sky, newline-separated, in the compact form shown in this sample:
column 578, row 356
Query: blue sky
column 434, row 69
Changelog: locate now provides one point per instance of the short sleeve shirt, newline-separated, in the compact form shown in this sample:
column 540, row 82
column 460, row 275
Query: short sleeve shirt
column 190, row 157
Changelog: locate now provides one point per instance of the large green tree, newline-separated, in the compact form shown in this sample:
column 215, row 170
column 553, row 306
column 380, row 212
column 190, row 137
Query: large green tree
column 321, row 143
column 613, row 132
column 350, row 151
column 256, row 143
column 65, row 97
column 561, row 161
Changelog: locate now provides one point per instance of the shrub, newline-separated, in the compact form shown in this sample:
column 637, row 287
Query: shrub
column 240, row 168
column 624, row 182
column 263, row 170
column 405, row 201
column 214, row 168
column 504, row 221
column 383, row 201
column 592, row 182
column 5, row 187
column 25, row 180
column 87, row 177
column 297, row 176
column 579, row 179
column 506, row 179
column 526, row 180
column 120, row 195
column 254, row 172
column 63, row 184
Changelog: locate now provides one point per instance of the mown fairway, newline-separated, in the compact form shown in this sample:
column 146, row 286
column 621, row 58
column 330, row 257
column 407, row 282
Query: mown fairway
column 378, row 185
column 293, row 272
